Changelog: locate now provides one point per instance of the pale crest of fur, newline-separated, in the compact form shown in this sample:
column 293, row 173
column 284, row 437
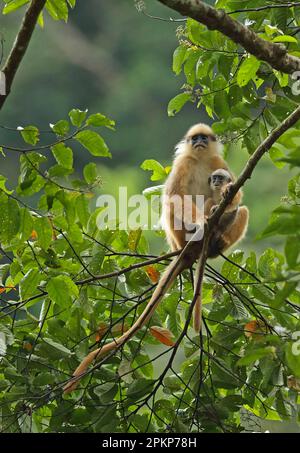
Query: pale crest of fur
column 180, row 148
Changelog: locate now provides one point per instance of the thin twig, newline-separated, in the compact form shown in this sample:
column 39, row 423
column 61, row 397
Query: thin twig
column 21, row 44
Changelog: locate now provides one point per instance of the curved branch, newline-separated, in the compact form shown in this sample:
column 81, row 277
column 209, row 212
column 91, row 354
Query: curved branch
column 21, row 44
column 216, row 19
column 266, row 7
column 130, row 268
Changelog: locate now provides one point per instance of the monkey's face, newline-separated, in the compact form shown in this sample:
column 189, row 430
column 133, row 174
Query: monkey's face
column 218, row 179
column 200, row 137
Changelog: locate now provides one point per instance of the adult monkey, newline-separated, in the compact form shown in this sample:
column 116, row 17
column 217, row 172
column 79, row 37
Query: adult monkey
column 197, row 157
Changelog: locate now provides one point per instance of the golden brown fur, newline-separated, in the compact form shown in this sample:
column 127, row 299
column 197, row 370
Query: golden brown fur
column 189, row 176
column 237, row 229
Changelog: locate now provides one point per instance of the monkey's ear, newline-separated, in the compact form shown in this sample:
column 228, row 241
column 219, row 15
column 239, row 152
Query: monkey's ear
column 209, row 180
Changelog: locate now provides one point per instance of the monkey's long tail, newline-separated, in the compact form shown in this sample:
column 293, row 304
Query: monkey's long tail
column 198, row 311
column 165, row 282
column 198, row 285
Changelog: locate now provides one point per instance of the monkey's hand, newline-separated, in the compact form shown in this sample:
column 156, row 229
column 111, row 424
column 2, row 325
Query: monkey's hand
column 213, row 209
column 226, row 189
column 235, row 203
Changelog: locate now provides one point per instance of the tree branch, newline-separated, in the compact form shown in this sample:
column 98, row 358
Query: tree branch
column 265, row 146
column 20, row 45
column 216, row 19
column 130, row 268
column 263, row 8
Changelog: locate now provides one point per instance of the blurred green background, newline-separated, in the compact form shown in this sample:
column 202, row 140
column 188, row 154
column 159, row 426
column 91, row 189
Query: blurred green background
column 111, row 59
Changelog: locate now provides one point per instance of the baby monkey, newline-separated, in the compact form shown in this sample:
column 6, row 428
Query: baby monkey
column 220, row 181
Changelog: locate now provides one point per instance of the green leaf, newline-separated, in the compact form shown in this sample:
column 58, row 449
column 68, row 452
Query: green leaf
column 82, row 209
column 285, row 38
column 179, row 58
column 77, row 117
column 2, row 185
column 158, row 170
column 9, row 218
column 271, row 30
column 173, row 383
column 93, row 142
column 41, row 20
column 134, row 237
column 30, row 134
column 176, row 104
column 106, row 391
column 63, row 155
column 108, row 421
column 29, row 283
column 238, row 309
column 221, row 106
column 282, row 78
column 90, row 172
column 61, row 289
column 139, row 388
column 269, row 263
column 44, row 231
column 12, row 5
column 26, row 224
column 294, row 187
column 63, row 351
column 292, row 250
column 256, row 354
column 43, row 379
column 190, row 66
column 58, row 9
column 248, row 70
column 144, row 362
column 61, row 128
column 282, row 224
column 98, row 120
column 277, row 152
column 284, row 293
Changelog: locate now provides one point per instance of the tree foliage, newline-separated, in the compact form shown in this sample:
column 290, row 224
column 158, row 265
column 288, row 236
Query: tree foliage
column 67, row 286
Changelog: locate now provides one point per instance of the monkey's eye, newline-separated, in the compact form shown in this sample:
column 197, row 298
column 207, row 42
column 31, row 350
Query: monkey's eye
column 200, row 137
column 203, row 138
column 218, row 179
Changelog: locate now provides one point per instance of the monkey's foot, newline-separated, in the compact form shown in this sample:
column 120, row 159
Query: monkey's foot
column 216, row 246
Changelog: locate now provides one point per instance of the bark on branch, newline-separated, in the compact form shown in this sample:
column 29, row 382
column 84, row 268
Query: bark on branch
column 20, row 45
column 216, row 19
